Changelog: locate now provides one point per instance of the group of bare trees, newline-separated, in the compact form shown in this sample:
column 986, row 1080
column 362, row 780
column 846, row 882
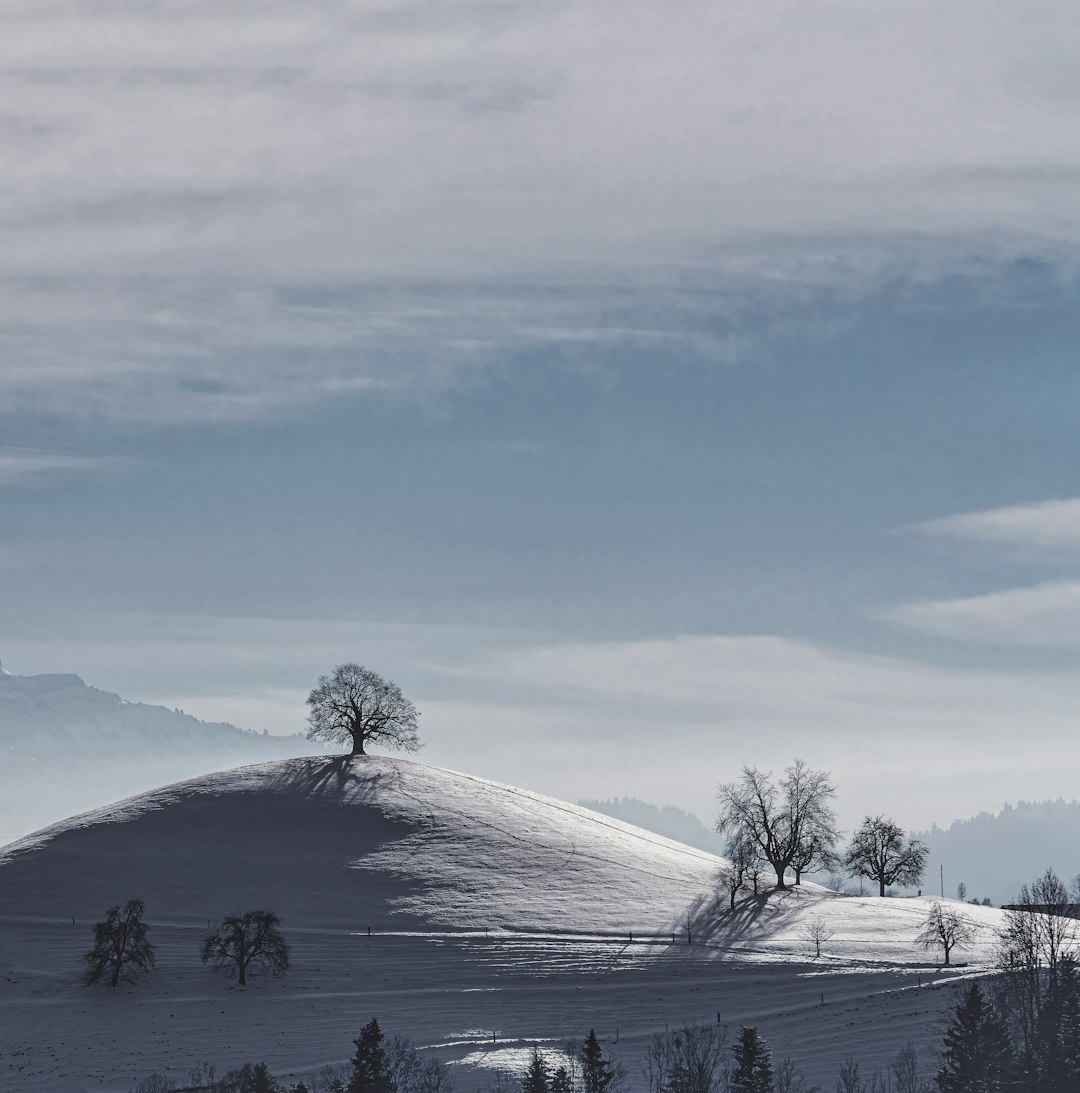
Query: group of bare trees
column 1021, row 1031
column 789, row 826
column 246, row 942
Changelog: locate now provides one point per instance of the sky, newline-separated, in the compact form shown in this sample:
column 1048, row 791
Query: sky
column 648, row 390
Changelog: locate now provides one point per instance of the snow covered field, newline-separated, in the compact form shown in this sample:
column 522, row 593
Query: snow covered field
column 499, row 918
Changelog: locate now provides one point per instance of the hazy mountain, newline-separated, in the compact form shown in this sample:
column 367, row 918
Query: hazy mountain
column 666, row 820
column 994, row 853
column 66, row 746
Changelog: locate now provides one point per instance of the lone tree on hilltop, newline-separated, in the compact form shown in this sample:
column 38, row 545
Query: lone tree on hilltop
column 946, row 929
column 355, row 705
column 121, row 949
column 879, row 853
column 251, row 940
column 780, row 820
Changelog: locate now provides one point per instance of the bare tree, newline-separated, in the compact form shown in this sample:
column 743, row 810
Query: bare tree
column 1036, row 942
column 946, row 928
column 815, row 853
column 685, row 1060
column 121, row 949
column 790, row 1079
column 248, row 941
column 905, row 1070
column 733, row 877
column 779, row 820
column 850, row 1079
column 880, row 853
column 817, row 931
column 354, row 705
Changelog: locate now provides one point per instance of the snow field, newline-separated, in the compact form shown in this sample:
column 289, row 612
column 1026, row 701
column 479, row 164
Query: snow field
column 492, row 909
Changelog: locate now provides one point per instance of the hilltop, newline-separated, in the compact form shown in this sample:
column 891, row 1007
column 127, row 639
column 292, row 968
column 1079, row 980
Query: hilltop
column 498, row 918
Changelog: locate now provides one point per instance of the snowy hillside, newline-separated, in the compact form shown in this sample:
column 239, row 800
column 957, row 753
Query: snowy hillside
column 65, row 745
column 365, row 841
column 493, row 911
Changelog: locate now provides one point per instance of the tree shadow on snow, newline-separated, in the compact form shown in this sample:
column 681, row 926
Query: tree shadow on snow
column 351, row 777
column 753, row 919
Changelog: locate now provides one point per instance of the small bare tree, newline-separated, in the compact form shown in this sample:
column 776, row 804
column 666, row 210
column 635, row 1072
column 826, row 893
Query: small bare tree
column 905, row 1070
column 248, row 941
column 121, row 949
column 686, row 1060
column 790, row 1079
column 849, row 1079
column 733, row 877
column 945, row 928
column 356, row 706
column 817, row 932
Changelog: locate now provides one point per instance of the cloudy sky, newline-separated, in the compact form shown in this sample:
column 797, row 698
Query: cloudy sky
column 649, row 389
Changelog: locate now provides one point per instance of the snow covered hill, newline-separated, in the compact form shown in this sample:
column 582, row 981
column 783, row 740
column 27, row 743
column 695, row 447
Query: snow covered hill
column 364, row 841
column 499, row 918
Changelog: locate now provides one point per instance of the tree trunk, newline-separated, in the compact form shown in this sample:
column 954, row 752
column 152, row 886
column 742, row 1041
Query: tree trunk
column 358, row 744
column 780, row 885
column 881, row 885
column 243, row 968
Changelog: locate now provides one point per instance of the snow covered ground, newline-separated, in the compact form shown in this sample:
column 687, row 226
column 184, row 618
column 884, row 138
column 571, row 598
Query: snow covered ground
column 499, row 918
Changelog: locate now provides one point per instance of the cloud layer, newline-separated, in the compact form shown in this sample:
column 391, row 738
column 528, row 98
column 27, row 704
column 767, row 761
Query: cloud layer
column 1041, row 524
column 209, row 210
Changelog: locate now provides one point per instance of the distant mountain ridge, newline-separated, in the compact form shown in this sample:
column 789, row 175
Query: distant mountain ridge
column 66, row 746
column 994, row 853
column 44, row 714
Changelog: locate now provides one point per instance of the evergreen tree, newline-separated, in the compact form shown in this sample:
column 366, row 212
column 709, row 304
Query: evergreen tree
column 536, row 1078
column 1053, row 1063
column 120, row 946
column 753, row 1064
column 976, row 1056
column 371, row 1068
column 597, row 1074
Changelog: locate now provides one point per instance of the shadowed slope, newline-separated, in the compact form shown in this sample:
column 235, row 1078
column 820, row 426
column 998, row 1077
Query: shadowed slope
column 349, row 842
